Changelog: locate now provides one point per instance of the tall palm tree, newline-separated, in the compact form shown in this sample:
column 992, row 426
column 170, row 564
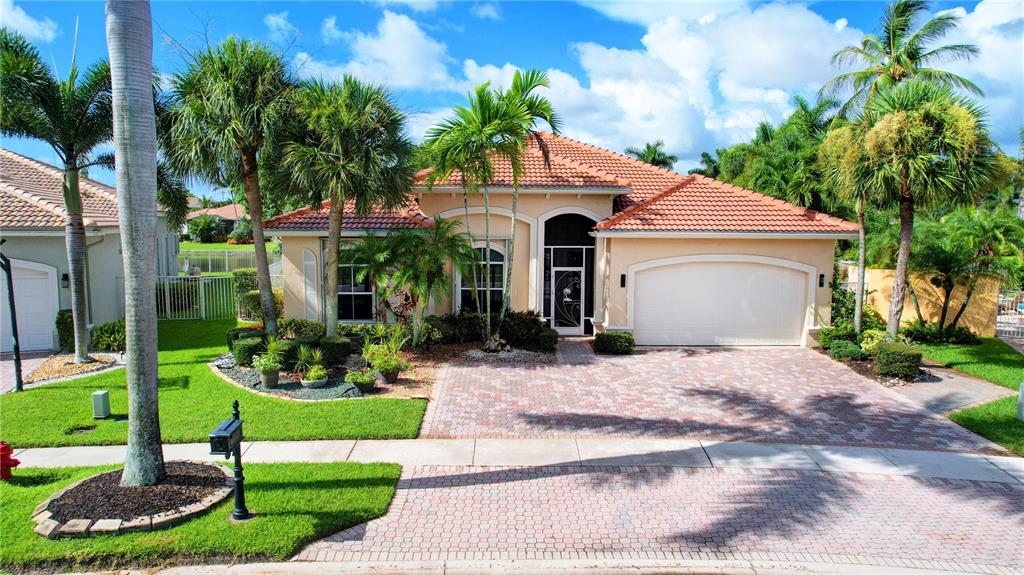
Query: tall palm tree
column 899, row 52
column 709, row 165
column 922, row 144
column 653, row 153
column 533, row 108
column 130, row 43
column 225, row 105
column 354, row 146
column 373, row 254
column 73, row 116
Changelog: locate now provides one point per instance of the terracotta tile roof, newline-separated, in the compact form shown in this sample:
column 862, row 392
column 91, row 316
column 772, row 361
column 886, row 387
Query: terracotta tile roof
column 312, row 219
column 558, row 172
column 31, row 196
column 702, row 204
column 229, row 212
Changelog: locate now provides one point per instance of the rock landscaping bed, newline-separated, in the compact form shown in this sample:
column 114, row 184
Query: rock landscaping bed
column 289, row 384
column 64, row 365
column 100, row 505
column 866, row 368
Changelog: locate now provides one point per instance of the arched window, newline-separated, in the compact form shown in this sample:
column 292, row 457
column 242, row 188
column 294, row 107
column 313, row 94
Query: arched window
column 492, row 289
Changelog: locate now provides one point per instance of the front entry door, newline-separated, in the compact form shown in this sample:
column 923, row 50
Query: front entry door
column 567, row 291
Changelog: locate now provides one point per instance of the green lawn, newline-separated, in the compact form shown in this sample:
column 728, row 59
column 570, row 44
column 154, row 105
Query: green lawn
column 993, row 361
column 193, row 401
column 221, row 247
column 295, row 503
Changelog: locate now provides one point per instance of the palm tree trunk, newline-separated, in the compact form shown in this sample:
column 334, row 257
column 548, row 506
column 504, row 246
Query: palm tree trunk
column 915, row 301
column 130, row 40
column 487, row 259
column 335, row 217
column 74, row 239
column 505, row 293
column 469, row 234
column 947, row 295
column 251, row 186
column 900, row 279
column 858, row 299
column 966, row 302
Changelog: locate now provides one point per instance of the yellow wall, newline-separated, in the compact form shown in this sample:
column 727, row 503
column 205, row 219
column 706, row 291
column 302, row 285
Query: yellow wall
column 624, row 252
column 291, row 270
column 980, row 316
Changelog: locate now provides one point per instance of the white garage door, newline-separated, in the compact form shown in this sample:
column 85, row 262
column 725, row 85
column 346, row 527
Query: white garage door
column 35, row 298
column 719, row 303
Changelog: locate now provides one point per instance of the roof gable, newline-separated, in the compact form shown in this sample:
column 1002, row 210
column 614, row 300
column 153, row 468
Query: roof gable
column 316, row 219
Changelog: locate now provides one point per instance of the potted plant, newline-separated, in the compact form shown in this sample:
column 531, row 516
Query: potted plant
column 306, row 357
column 390, row 365
column 269, row 368
column 363, row 378
column 315, row 377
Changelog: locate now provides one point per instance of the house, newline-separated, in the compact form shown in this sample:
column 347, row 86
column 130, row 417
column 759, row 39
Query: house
column 606, row 242
column 227, row 214
column 32, row 218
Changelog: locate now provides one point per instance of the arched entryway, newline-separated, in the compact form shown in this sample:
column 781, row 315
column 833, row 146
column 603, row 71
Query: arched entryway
column 568, row 286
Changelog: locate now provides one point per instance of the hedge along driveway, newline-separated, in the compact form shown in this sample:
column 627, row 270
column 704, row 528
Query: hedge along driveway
column 193, row 400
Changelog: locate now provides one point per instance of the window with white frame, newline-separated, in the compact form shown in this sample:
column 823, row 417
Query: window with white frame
column 355, row 296
column 492, row 289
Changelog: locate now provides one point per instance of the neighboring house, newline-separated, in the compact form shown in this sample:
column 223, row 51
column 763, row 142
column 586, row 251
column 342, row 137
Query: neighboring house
column 606, row 242
column 228, row 214
column 32, row 221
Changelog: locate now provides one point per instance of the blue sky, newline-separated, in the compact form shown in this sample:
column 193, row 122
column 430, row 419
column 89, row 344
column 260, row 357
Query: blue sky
column 699, row 75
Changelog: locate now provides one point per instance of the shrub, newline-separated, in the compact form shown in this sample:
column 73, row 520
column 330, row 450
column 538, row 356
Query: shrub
column 240, row 332
column 897, row 360
column 306, row 357
column 246, row 348
column 390, row 363
column 870, row 340
column 242, row 234
column 316, row 372
column 923, row 332
column 265, row 363
column 843, row 305
column 614, row 342
column 336, row 349
column 526, row 330
column 293, row 327
column 547, row 340
column 65, row 329
column 847, row 350
column 289, row 350
column 109, row 336
column 252, row 303
column 463, row 327
column 362, row 378
column 245, row 282
column 205, row 229
column 827, row 335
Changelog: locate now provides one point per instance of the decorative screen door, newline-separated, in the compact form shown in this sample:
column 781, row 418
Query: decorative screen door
column 567, row 291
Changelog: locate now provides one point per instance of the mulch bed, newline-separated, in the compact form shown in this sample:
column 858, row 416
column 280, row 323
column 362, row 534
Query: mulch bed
column 103, row 496
column 65, row 366
column 866, row 368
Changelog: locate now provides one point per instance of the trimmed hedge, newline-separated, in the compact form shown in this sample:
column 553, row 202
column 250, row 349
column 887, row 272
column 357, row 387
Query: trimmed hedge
column 842, row 349
column 65, row 329
column 336, row 349
column 252, row 302
column 248, row 347
column 932, row 333
column 295, row 327
column 526, row 330
column 240, row 332
column 614, row 342
column 897, row 360
column 827, row 335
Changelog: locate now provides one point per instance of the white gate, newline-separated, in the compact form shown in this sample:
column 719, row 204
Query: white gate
column 1010, row 314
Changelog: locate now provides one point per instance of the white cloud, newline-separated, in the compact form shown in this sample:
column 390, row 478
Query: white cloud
column 841, row 24
column 329, row 32
column 647, row 12
column 419, row 122
column 415, row 5
column 280, row 29
column 486, row 10
column 14, row 17
column 397, row 53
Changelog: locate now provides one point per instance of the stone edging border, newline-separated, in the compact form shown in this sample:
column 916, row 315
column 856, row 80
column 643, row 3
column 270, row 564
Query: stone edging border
column 50, row 528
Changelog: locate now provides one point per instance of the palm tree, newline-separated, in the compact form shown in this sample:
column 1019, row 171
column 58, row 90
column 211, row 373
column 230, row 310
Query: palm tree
column 373, row 254
column 921, row 144
column 898, row 53
column 421, row 264
column 653, row 153
column 225, row 105
column 353, row 145
column 74, row 117
column 130, row 42
column 534, row 108
column 709, row 165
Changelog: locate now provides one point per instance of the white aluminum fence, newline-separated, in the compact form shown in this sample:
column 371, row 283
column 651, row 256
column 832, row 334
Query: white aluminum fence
column 1010, row 314
column 197, row 297
column 222, row 261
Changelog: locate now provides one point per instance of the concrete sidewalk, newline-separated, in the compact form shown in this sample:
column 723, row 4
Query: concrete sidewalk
column 639, row 452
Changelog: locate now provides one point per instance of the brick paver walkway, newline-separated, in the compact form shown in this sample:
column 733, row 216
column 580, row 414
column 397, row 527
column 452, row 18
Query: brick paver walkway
column 464, row 513
column 784, row 394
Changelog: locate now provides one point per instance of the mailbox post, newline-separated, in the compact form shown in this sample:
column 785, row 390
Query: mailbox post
column 226, row 440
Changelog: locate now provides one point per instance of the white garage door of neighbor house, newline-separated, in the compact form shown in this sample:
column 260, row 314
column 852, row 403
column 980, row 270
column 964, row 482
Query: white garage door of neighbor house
column 35, row 300
column 719, row 303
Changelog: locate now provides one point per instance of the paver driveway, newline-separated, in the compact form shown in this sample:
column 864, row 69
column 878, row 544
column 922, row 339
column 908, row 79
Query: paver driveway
column 779, row 394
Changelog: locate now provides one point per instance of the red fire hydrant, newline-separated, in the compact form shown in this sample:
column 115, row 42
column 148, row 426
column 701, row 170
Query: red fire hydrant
column 7, row 463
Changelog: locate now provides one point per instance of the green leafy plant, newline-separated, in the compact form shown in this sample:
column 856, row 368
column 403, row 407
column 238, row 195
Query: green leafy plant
column 240, row 332
column 307, row 357
column 65, row 329
column 897, row 360
column 363, row 378
column 109, row 336
column 295, row 327
column 827, row 335
column 242, row 233
column 614, row 342
column 336, row 349
column 265, row 363
column 251, row 301
column 316, row 373
column 846, row 350
column 390, row 364
column 273, row 349
column 924, row 332
column 527, row 330
column 206, row 229
column 246, row 348
column 870, row 340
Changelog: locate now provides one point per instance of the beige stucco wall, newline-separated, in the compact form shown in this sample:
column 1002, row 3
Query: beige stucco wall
column 624, row 252
column 979, row 317
column 292, row 273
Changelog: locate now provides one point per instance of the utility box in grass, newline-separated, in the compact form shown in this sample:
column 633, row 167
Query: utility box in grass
column 100, row 404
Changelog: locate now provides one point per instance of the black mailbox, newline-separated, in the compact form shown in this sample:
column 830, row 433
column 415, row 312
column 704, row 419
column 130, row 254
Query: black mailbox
column 226, row 437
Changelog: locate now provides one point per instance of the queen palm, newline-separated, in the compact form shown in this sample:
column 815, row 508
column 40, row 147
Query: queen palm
column 373, row 255
column 225, row 104
column 899, row 52
column 353, row 146
column 71, row 115
column 653, row 153
column 130, row 43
